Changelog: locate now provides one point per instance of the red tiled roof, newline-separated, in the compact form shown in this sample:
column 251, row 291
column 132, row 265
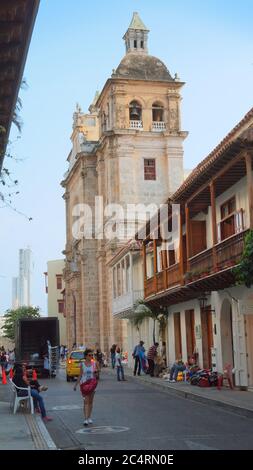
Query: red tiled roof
column 218, row 151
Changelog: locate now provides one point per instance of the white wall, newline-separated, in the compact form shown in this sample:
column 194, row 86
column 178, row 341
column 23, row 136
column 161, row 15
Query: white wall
column 239, row 190
column 182, row 307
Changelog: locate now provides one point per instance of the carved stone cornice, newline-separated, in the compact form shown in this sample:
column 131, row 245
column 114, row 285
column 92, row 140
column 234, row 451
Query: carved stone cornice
column 66, row 196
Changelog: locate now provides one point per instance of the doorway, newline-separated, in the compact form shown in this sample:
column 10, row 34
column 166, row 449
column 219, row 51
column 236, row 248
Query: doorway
column 249, row 347
column 207, row 336
column 226, row 330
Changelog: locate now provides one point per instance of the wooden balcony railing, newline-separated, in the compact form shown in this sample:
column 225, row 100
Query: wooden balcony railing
column 173, row 276
column 163, row 280
column 201, row 263
column 227, row 253
column 149, row 287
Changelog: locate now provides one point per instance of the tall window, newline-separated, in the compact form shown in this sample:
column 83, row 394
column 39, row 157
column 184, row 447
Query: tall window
column 128, row 274
column 227, row 213
column 149, row 169
column 157, row 112
column 115, row 294
column 119, row 283
column 60, row 306
column 59, row 281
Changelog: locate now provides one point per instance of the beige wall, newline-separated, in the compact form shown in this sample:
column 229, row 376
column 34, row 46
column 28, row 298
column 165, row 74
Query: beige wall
column 53, row 268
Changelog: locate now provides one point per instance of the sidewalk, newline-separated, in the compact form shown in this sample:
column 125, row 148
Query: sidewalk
column 240, row 402
column 22, row 431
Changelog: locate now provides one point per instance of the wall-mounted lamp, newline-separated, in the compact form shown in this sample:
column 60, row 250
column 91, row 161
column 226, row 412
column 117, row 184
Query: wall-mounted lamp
column 203, row 303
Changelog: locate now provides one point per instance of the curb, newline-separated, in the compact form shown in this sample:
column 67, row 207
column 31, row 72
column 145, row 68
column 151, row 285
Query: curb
column 39, row 433
column 242, row 411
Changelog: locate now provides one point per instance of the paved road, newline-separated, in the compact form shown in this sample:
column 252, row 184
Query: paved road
column 130, row 415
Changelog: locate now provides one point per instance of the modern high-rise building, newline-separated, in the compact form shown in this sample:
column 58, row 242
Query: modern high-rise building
column 21, row 285
column 15, row 292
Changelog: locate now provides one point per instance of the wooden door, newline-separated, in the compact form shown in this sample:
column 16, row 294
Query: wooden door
column 177, row 332
column 190, row 331
column 249, row 346
column 197, row 236
column 207, row 336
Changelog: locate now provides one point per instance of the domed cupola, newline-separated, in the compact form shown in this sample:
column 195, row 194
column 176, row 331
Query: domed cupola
column 137, row 64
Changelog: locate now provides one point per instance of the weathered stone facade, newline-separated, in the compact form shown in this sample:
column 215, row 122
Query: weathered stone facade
column 107, row 160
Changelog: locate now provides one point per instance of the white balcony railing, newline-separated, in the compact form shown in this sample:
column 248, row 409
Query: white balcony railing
column 158, row 126
column 135, row 125
column 126, row 301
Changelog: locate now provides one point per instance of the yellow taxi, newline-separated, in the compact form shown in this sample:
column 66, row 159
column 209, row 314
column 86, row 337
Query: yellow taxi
column 73, row 364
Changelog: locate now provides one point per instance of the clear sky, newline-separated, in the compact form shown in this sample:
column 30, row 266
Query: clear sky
column 75, row 46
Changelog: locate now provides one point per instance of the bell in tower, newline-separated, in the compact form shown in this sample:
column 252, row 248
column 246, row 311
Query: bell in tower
column 136, row 37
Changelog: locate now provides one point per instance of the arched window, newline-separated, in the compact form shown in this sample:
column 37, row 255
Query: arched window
column 135, row 111
column 157, row 112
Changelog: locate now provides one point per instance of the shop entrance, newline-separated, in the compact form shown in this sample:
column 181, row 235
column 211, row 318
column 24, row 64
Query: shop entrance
column 249, row 347
column 226, row 333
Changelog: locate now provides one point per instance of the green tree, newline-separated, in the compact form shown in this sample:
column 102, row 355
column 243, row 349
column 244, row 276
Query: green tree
column 244, row 271
column 142, row 311
column 12, row 316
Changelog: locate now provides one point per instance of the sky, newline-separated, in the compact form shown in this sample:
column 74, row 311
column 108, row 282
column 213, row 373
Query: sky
column 74, row 47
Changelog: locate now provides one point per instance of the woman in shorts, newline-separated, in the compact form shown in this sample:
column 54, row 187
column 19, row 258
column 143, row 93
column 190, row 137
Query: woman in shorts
column 88, row 383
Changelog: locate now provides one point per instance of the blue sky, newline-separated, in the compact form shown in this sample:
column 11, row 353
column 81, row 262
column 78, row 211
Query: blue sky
column 75, row 46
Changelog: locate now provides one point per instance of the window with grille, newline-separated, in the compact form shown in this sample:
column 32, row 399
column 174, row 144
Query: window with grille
column 149, row 169
column 60, row 306
column 59, row 281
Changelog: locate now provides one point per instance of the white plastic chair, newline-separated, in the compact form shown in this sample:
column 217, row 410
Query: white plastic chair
column 17, row 399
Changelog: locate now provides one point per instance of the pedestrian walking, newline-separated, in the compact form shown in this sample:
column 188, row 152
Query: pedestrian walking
column 113, row 353
column 119, row 366
column 88, row 383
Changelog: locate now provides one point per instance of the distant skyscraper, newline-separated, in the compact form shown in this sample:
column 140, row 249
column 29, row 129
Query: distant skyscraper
column 21, row 285
column 15, row 293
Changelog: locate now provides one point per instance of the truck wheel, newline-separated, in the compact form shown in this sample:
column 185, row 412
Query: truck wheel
column 68, row 378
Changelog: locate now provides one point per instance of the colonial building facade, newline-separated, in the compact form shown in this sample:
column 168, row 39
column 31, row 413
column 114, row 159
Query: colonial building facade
column 55, row 290
column 208, row 312
column 127, row 150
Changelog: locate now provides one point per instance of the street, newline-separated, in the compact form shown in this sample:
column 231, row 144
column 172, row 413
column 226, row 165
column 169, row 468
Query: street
column 130, row 415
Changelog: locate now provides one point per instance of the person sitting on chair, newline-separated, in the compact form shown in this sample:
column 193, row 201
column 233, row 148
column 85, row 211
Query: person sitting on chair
column 21, row 381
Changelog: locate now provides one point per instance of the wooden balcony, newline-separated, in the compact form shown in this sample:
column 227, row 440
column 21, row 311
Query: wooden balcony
column 229, row 251
column 201, row 263
column 209, row 270
column 166, row 279
column 212, row 269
